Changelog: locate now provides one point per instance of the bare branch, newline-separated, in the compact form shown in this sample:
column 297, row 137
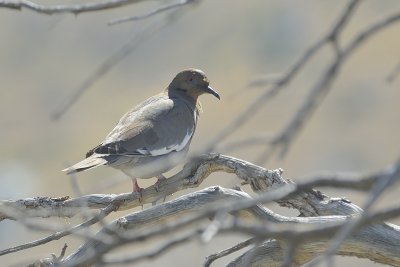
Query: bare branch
column 74, row 9
column 161, row 214
column 116, row 57
column 286, row 193
column 286, row 79
column 370, row 32
column 213, row 257
column 263, row 99
column 50, row 261
column 271, row 252
column 317, row 94
column 128, row 230
column 58, row 235
column 152, row 12
column 323, row 86
column 379, row 187
column 156, row 252
column 326, row 226
column 344, row 19
column 192, row 175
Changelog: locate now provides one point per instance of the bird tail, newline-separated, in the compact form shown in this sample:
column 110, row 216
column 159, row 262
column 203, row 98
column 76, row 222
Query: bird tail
column 86, row 164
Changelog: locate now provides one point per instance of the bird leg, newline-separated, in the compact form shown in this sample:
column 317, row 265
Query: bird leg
column 160, row 178
column 137, row 189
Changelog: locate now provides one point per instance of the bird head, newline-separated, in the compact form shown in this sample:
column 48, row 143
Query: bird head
column 192, row 83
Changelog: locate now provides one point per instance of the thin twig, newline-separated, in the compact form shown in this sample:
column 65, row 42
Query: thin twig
column 121, row 53
column 56, row 236
column 213, row 257
column 47, row 262
column 63, row 250
column 286, row 79
column 74, row 8
column 322, row 87
column 152, row 12
column 162, row 249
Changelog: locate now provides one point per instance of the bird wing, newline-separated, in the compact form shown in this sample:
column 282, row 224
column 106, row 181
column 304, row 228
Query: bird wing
column 156, row 127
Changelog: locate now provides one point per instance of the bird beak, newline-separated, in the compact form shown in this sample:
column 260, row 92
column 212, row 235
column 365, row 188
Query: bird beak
column 209, row 90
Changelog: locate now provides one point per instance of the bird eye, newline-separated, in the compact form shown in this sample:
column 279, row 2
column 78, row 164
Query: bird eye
column 191, row 79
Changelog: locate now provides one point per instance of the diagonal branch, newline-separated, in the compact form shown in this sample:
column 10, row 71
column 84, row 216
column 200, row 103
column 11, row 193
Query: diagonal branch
column 152, row 12
column 74, row 8
column 213, row 257
column 287, row 78
column 60, row 234
column 112, row 60
column 323, row 86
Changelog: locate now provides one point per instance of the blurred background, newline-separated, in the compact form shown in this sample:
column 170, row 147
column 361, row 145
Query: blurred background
column 45, row 59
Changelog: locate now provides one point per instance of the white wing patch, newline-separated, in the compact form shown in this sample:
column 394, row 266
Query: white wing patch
column 166, row 150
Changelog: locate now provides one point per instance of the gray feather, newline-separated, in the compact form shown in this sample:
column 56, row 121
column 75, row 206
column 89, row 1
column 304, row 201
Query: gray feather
column 88, row 163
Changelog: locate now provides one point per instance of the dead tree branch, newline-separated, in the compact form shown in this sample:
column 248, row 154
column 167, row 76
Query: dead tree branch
column 76, row 8
column 152, row 12
column 321, row 88
column 269, row 184
column 116, row 57
column 263, row 224
column 287, row 78
column 192, row 175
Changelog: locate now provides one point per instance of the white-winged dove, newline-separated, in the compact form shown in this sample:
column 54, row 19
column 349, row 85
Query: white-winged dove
column 154, row 136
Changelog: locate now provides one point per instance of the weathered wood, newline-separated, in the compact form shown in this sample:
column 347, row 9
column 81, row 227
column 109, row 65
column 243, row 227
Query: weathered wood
column 377, row 242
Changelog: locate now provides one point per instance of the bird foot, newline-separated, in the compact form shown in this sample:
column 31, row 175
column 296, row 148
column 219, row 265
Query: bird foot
column 160, row 178
column 137, row 189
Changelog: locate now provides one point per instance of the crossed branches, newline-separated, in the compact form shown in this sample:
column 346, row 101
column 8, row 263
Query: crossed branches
column 322, row 218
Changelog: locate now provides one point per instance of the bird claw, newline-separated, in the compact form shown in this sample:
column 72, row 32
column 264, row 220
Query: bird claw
column 160, row 178
column 137, row 189
column 139, row 192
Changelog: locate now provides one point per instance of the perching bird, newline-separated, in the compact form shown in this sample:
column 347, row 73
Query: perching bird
column 154, row 136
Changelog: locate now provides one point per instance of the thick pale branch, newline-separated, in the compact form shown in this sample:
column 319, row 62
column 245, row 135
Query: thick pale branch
column 171, row 217
column 159, row 220
column 271, row 253
column 191, row 176
column 163, row 219
column 308, row 202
